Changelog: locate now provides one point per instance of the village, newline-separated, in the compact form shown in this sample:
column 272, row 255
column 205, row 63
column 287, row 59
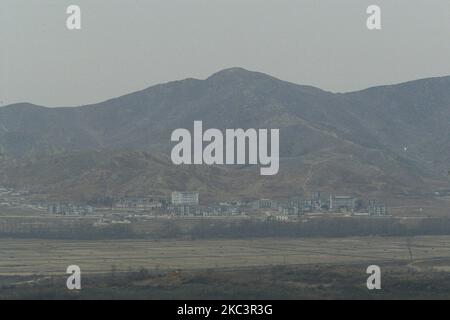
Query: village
column 187, row 205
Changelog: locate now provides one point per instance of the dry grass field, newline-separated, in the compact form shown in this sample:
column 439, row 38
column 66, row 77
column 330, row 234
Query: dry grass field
column 51, row 257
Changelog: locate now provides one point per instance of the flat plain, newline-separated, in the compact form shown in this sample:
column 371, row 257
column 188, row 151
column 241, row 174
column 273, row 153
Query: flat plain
column 51, row 257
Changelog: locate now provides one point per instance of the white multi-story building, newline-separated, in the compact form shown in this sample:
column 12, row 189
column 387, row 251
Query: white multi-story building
column 342, row 202
column 184, row 198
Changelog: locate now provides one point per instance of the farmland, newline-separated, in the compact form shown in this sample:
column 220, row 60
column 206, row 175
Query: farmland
column 315, row 268
column 51, row 257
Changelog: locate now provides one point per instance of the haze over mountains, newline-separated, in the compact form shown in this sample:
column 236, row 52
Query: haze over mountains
column 390, row 140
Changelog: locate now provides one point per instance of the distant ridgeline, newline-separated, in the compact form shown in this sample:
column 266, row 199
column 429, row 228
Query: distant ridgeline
column 389, row 141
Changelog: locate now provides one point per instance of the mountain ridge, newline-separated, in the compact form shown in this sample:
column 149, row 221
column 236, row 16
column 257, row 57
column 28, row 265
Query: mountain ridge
column 376, row 134
column 227, row 70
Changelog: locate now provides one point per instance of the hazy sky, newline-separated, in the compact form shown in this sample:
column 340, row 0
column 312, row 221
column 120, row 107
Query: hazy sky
column 128, row 45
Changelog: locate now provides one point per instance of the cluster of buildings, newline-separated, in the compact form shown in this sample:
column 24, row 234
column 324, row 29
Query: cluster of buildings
column 186, row 204
column 70, row 209
column 12, row 198
column 377, row 209
column 179, row 204
column 317, row 204
column 138, row 204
